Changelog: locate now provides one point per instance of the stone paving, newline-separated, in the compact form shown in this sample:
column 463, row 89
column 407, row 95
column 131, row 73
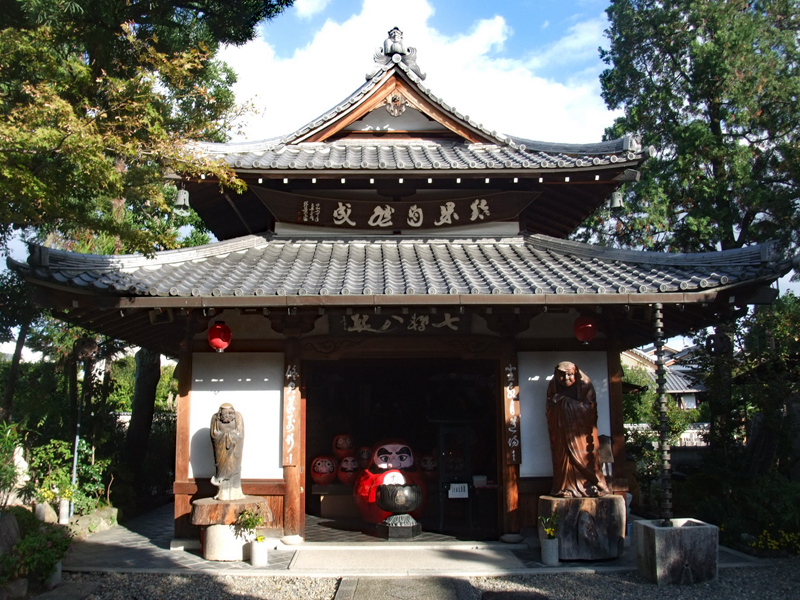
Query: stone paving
column 143, row 545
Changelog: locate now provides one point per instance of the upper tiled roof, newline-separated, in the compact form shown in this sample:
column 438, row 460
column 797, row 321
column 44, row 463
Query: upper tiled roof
column 413, row 155
column 263, row 265
column 501, row 152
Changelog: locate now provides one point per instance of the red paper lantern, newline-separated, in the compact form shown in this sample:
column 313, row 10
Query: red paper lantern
column 585, row 329
column 219, row 336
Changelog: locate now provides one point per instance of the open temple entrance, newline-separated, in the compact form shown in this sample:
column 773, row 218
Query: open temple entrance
column 445, row 410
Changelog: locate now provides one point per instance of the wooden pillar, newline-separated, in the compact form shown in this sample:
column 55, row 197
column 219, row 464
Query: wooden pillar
column 294, row 443
column 510, row 454
column 183, row 507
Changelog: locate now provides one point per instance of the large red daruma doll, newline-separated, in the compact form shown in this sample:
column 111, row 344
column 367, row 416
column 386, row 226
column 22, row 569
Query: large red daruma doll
column 392, row 463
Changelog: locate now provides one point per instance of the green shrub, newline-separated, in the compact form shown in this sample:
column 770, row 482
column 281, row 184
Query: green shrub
column 36, row 554
column 50, row 468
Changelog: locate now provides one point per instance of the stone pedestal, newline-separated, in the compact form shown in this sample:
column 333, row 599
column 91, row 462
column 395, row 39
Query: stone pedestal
column 687, row 552
column 220, row 541
column 588, row 528
column 399, row 527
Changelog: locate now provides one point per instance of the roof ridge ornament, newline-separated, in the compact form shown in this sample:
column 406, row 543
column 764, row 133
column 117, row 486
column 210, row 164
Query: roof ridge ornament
column 395, row 51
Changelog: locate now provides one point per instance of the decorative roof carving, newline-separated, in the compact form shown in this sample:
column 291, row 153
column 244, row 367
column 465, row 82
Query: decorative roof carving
column 395, row 51
column 396, row 104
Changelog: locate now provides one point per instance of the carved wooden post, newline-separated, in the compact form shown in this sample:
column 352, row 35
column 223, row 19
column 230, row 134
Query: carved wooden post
column 293, row 436
column 511, row 454
column 663, row 438
column 183, row 506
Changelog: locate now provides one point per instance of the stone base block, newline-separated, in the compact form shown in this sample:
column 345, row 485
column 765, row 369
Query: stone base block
column 405, row 532
column 208, row 511
column 221, row 543
column 588, row 528
column 687, row 552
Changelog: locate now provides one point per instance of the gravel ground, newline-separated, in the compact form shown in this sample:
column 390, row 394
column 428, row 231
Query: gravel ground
column 148, row 586
column 778, row 580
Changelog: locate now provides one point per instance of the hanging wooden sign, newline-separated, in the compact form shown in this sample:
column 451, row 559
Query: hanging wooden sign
column 367, row 323
column 387, row 215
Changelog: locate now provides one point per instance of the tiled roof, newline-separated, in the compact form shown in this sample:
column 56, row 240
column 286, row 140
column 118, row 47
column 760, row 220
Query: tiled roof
column 406, row 154
column 677, row 382
column 292, row 152
column 264, row 265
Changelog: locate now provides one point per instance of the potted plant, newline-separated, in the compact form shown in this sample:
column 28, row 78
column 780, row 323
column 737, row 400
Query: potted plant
column 548, row 539
column 246, row 525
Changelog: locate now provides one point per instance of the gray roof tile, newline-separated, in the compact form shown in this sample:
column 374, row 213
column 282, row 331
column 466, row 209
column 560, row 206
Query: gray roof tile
column 265, row 265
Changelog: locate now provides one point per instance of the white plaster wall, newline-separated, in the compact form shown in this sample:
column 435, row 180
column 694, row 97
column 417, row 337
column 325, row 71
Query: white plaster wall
column 535, row 371
column 253, row 383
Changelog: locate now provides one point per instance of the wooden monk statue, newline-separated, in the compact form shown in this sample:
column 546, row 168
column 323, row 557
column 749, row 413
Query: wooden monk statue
column 572, row 421
column 227, row 437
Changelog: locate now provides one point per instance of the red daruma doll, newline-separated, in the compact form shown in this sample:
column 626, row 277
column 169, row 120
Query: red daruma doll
column 348, row 470
column 364, row 456
column 392, row 465
column 430, row 467
column 343, row 446
column 323, row 470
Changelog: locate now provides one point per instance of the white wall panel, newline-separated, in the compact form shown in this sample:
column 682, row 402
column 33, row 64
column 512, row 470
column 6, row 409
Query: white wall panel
column 535, row 371
column 253, row 384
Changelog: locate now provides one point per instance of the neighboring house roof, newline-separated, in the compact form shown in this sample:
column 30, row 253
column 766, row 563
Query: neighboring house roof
column 678, row 382
column 263, row 265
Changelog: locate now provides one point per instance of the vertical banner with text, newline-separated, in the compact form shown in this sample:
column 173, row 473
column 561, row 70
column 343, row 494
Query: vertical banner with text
column 291, row 407
column 511, row 429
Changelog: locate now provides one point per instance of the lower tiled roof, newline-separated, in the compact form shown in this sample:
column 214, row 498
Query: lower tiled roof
column 266, row 265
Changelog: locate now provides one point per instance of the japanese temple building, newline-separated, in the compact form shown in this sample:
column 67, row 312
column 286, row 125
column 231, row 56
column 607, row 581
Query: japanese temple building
column 396, row 270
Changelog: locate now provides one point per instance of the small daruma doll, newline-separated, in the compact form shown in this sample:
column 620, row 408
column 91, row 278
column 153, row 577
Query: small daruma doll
column 348, row 470
column 430, row 467
column 364, row 456
column 392, row 465
column 323, row 470
column 343, row 445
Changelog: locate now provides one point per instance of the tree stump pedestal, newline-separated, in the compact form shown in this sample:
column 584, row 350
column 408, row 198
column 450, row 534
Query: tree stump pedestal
column 588, row 528
column 216, row 517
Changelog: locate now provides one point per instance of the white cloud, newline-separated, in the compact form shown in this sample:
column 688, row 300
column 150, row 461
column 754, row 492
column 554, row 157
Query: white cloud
column 580, row 44
column 308, row 8
column 503, row 94
column 546, row 24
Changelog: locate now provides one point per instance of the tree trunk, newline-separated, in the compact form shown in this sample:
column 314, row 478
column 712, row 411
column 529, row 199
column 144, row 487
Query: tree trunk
column 148, row 372
column 13, row 371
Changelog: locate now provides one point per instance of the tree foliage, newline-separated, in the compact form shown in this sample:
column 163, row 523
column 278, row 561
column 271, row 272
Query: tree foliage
column 713, row 86
column 99, row 101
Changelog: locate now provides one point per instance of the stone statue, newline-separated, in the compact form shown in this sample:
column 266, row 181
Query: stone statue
column 395, row 51
column 227, row 437
column 572, row 421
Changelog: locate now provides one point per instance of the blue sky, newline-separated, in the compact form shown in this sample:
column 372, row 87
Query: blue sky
column 523, row 67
